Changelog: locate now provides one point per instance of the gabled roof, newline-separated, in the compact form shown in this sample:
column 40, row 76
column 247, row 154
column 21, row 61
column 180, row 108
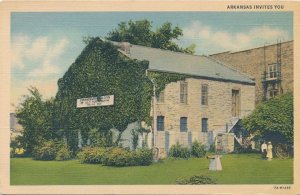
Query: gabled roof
column 181, row 63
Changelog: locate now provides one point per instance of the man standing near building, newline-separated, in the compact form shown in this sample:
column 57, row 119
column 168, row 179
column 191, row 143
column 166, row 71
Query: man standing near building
column 264, row 150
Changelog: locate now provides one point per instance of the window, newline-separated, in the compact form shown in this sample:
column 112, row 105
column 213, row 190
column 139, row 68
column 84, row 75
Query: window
column 204, row 94
column 183, row 92
column 160, row 123
column 274, row 91
column 204, row 124
column 183, row 124
column 161, row 97
column 273, row 71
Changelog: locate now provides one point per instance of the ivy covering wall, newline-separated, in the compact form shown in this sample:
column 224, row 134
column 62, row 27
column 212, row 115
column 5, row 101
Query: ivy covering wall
column 102, row 70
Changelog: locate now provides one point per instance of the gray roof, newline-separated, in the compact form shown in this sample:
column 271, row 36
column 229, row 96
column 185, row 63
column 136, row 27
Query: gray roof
column 177, row 62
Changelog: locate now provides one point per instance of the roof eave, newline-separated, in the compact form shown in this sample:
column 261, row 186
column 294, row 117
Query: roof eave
column 205, row 77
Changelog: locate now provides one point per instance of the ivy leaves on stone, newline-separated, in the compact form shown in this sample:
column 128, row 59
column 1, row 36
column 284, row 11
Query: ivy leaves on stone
column 102, row 70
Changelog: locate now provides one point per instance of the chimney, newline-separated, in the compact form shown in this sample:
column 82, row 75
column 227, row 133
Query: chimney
column 125, row 46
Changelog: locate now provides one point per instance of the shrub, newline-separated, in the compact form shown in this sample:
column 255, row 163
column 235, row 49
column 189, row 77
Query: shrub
column 178, row 151
column 196, row 179
column 212, row 148
column 16, row 149
column 100, row 138
column 92, row 155
column 143, row 157
column 198, row 149
column 121, row 157
column 118, row 157
column 47, row 151
column 273, row 120
column 63, row 153
column 12, row 153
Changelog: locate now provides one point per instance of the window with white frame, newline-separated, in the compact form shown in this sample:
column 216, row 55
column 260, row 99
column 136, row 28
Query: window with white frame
column 183, row 92
column 274, row 90
column 273, row 71
column 204, row 94
column 273, row 93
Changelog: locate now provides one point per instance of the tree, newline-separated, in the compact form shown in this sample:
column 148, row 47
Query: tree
column 273, row 120
column 35, row 116
column 140, row 33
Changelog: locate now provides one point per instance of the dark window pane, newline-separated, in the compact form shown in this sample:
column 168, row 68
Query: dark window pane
column 160, row 123
column 183, row 124
column 204, row 125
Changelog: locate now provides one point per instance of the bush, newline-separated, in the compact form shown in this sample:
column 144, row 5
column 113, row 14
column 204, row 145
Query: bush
column 47, row 151
column 63, row 153
column 17, row 153
column 196, row 179
column 16, row 149
column 273, row 120
column 12, row 153
column 212, row 148
column 178, row 151
column 51, row 150
column 118, row 157
column 121, row 157
column 143, row 157
column 92, row 155
column 198, row 149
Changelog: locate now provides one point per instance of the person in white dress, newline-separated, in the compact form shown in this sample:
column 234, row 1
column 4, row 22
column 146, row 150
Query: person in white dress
column 270, row 151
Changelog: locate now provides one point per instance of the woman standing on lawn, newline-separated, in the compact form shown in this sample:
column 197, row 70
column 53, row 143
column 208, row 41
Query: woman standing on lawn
column 269, row 151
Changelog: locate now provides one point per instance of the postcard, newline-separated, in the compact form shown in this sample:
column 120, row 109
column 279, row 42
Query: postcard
column 149, row 97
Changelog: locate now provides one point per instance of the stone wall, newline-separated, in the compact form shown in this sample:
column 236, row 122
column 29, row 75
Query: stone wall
column 251, row 62
column 218, row 111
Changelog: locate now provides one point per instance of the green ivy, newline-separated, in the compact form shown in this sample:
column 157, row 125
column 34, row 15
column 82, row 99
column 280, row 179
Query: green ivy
column 163, row 78
column 102, row 70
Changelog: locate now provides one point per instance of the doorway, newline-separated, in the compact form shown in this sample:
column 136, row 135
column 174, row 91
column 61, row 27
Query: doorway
column 235, row 103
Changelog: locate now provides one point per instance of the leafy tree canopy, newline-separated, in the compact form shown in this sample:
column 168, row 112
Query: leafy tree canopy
column 140, row 33
column 273, row 120
column 35, row 115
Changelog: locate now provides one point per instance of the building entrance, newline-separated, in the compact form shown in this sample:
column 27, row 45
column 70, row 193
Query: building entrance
column 235, row 103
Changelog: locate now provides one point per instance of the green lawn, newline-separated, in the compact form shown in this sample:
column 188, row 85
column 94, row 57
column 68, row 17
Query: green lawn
column 237, row 169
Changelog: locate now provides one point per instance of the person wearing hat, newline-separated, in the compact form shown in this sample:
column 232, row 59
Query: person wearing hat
column 264, row 150
column 269, row 151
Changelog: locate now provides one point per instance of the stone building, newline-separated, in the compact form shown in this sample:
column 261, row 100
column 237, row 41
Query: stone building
column 270, row 65
column 207, row 104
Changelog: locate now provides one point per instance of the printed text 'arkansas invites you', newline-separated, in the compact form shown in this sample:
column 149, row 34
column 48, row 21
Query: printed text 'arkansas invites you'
column 255, row 7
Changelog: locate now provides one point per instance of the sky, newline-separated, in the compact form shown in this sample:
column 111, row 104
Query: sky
column 44, row 45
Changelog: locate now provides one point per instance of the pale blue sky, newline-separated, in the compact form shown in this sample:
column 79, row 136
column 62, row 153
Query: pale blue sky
column 45, row 44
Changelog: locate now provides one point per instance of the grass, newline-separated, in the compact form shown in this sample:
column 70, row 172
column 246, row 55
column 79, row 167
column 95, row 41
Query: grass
column 237, row 169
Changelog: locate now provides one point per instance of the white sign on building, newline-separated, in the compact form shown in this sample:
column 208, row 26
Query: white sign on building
column 106, row 100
